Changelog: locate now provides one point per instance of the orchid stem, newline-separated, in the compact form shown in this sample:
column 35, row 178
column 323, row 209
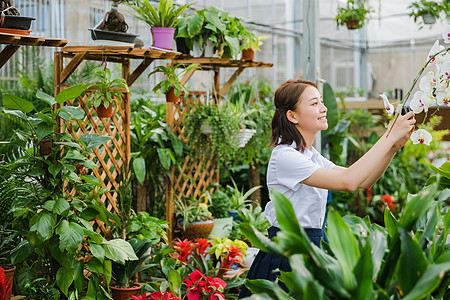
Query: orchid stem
column 413, row 85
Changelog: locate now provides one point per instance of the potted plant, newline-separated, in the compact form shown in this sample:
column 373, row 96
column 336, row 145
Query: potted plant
column 213, row 130
column 162, row 22
column 428, row 10
column 113, row 27
column 211, row 30
column 105, row 92
column 220, row 207
column 171, row 85
column 123, row 274
column 250, row 44
column 354, row 15
column 196, row 219
column 12, row 22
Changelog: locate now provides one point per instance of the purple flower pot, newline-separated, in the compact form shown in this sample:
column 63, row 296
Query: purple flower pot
column 163, row 37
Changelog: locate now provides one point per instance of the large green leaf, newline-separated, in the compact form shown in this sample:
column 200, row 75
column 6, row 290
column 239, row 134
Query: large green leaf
column 98, row 251
column 363, row 272
column 64, row 278
column 43, row 130
column 212, row 16
column 332, row 109
column 418, row 205
column 21, row 252
column 259, row 240
column 378, row 240
column 119, row 250
column 17, row 103
column 44, row 225
column 139, row 169
column 46, row 97
column 285, row 213
column 391, row 223
column 70, row 93
column 73, row 112
column 70, row 236
column 429, row 281
column 92, row 140
column 344, row 246
column 412, row 263
column 164, row 157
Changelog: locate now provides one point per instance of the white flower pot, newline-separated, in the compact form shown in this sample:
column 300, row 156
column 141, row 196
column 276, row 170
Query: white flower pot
column 222, row 227
column 251, row 254
column 207, row 51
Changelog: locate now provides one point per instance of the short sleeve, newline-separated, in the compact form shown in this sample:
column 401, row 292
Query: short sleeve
column 294, row 167
column 326, row 163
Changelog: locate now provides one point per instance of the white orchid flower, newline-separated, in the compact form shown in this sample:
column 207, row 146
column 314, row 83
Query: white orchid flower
column 444, row 70
column 421, row 101
column 446, row 34
column 435, row 49
column 428, row 81
column 443, row 97
column 421, row 136
column 387, row 105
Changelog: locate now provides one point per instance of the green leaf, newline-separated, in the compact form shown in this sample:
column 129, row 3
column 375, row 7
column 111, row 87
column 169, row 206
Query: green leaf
column 70, row 236
column 175, row 279
column 285, row 213
column 64, row 278
column 98, row 251
column 54, row 169
column 363, row 273
column 45, row 118
column 61, row 205
column 70, row 93
column 44, row 225
column 164, row 157
column 139, row 169
column 74, row 112
column 17, row 103
column 411, row 264
column 390, row 222
column 119, row 250
column 418, row 205
column 95, row 266
column 91, row 179
column 332, row 109
column 21, row 252
column 46, row 97
column 43, row 130
column 378, row 241
column 344, row 246
column 92, row 140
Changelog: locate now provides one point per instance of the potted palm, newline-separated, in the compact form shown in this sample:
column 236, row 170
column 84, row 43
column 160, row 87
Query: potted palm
column 196, row 220
column 123, row 274
column 162, row 22
column 427, row 10
column 106, row 91
column 171, row 85
column 353, row 15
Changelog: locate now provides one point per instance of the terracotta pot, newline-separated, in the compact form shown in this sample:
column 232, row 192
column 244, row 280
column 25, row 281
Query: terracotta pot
column 103, row 112
column 170, row 96
column 198, row 230
column 9, row 273
column 125, row 293
column 45, row 147
column 248, row 54
column 352, row 24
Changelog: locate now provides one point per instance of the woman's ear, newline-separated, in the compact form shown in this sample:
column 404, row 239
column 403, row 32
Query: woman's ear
column 290, row 115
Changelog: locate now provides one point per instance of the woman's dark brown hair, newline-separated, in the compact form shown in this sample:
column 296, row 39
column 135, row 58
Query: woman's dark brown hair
column 286, row 98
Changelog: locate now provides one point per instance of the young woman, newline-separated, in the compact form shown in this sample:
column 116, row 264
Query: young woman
column 298, row 171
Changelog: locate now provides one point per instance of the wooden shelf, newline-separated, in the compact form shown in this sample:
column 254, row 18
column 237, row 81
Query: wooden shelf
column 210, row 63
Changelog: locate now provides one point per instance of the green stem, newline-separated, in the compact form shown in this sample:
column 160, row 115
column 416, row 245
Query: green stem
column 413, row 85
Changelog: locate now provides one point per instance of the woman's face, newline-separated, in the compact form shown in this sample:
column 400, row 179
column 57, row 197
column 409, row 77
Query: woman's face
column 310, row 114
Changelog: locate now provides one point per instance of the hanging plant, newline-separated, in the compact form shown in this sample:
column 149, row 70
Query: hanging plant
column 354, row 15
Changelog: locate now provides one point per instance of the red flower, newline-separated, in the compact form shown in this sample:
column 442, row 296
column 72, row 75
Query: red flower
column 199, row 285
column 388, row 200
column 184, row 249
column 202, row 245
column 234, row 254
column 160, row 296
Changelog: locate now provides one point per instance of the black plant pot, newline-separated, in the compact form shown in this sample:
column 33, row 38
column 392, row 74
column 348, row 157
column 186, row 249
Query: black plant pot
column 17, row 22
column 181, row 46
column 97, row 34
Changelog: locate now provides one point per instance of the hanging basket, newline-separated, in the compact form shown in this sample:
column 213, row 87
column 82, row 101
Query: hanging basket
column 429, row 19
column 244, row 136
column 352, row 24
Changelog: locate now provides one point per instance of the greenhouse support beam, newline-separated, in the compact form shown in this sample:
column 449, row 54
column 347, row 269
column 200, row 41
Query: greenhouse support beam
column 311, row 40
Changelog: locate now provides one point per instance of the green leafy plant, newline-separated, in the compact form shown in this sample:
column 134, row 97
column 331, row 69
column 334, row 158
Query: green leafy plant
column 38, row 289
column 143, row 226
column 214, row 25
column 353, row 15
column 254, row 215
column 166, row 15
column 408, row 259
column 220, row 204
column 106, row 89
column 239, row 199
column 123, row 273
column 213, row 130
column 193, row 209
column 424, row 7
column 173, row 78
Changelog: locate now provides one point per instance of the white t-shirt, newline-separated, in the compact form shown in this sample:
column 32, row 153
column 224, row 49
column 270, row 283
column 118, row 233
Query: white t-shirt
column 287, row 168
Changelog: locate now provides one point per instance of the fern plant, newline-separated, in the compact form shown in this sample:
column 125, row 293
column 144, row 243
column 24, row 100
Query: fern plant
column 166, row 15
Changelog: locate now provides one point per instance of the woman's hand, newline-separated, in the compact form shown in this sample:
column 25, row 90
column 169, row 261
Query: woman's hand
column 402, row 129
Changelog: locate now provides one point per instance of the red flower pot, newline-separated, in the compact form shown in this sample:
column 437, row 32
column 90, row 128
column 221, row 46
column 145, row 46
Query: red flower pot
column 9, row 273
column 248, row 54
column 170, row 96
column 103, row 112
column 125, row 293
